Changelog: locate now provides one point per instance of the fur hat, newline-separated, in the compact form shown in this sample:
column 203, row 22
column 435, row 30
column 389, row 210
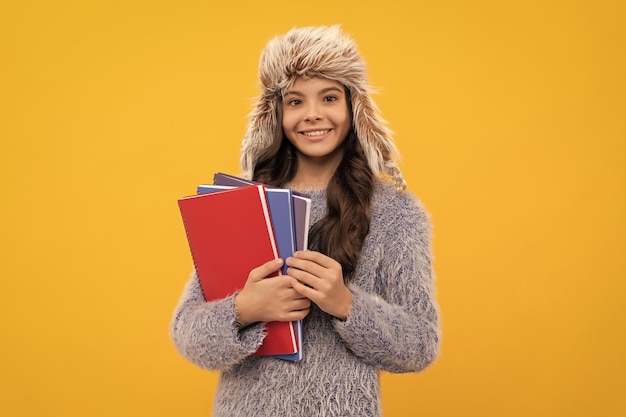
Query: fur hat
column 323, row 52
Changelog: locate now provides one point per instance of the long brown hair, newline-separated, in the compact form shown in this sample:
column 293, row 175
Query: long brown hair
column 341, row 233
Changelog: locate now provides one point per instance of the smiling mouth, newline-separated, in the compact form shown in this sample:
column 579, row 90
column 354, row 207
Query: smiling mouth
column 314, row 133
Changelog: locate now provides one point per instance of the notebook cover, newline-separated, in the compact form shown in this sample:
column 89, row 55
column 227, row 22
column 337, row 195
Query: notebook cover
column 229, row 234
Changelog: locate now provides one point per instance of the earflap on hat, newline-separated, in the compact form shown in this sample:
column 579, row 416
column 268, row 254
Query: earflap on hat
column 262, row 129
column 327, row 53
column 375, row 138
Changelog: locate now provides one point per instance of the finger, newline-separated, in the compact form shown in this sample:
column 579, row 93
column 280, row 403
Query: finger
column 315, row 257
column 280, row 284
column 307, row 266
column 304, row 290
column 303, row 277
column 266, row 269
column 301, row 304
column 296, row 315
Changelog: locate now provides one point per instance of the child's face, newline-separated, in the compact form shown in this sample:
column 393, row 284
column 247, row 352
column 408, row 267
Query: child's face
column 316, row 119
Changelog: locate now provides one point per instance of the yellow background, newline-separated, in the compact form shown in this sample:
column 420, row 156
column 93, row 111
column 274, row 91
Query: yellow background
column 511, row 119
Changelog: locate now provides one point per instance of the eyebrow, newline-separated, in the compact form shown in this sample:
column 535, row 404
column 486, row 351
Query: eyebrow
column 321, row 92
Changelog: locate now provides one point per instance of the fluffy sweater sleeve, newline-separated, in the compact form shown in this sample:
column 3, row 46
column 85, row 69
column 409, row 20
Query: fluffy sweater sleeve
column 206, row 333
column 394, row 323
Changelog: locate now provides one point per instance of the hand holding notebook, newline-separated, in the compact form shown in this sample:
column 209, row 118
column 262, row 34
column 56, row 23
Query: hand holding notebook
column 270, row 299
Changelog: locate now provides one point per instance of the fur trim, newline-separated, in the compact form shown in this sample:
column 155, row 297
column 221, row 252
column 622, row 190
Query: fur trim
column 327, row 53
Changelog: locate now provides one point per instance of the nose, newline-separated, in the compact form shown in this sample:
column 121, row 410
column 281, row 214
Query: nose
column 312, row 113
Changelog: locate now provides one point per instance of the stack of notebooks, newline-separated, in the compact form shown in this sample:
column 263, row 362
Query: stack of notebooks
column 235, row 225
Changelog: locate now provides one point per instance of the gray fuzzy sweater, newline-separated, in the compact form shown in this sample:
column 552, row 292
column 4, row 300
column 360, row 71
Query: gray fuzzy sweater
column 393, row 326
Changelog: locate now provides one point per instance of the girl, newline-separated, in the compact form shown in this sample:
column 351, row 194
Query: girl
column 365, row 290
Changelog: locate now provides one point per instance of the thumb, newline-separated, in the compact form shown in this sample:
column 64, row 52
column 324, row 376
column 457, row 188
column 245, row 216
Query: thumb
column 265, row 270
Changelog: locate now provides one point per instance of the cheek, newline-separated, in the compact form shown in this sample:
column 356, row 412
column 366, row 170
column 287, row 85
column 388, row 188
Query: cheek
column 288, row 121
column 342, row 117
column 346, row 122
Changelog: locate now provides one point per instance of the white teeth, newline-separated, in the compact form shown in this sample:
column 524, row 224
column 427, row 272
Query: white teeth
column 316, row 133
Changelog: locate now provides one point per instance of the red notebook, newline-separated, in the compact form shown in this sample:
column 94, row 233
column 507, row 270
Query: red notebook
column 229, row 234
